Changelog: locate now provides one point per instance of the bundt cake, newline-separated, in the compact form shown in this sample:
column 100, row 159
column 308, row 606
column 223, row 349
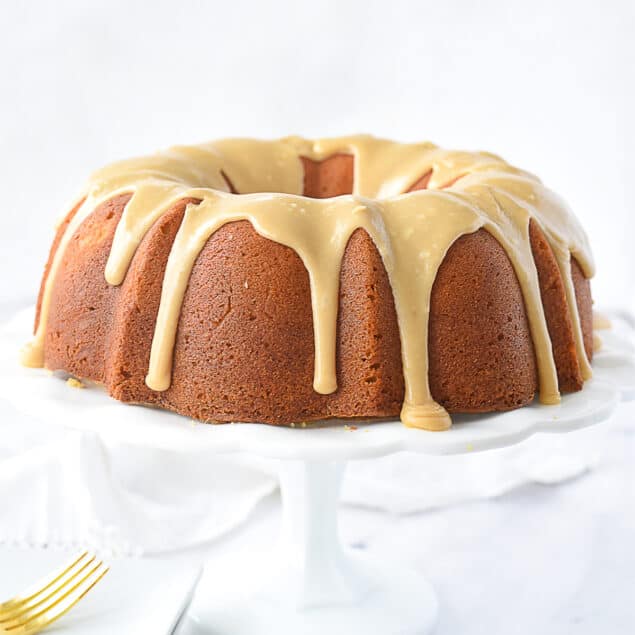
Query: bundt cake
column 295, row 280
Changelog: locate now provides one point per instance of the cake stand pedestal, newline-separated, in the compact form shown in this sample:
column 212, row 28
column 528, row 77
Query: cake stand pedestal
column 310, row 584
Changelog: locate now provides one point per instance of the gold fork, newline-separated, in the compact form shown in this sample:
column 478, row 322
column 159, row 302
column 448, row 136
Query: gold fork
column 51, row 597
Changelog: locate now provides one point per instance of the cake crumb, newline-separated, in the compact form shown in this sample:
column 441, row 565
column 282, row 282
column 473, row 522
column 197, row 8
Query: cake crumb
column 292, row 424
column 470, row 447
column 350, row 428
column 74, row 383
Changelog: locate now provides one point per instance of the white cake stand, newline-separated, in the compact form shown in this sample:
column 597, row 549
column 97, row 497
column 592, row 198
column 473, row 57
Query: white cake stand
column 310, row 584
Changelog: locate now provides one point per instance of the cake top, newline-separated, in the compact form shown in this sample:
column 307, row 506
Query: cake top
column 465, row 191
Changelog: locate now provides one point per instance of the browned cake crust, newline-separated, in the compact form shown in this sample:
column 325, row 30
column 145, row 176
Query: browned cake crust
column 244, row 348
column 555, row 306
column 481, row 352
column 82, row 302
column 584, row 301
column 61, row 229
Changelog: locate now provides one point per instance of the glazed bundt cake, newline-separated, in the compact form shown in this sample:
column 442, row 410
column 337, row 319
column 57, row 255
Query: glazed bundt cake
column 295, row 280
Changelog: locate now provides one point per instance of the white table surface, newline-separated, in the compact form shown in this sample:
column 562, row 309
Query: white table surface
column 541, row 559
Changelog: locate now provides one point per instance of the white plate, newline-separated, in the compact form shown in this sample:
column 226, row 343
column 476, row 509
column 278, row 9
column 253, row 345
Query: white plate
column 135, row 596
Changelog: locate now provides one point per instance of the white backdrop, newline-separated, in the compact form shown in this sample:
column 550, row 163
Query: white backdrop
column 550, row 86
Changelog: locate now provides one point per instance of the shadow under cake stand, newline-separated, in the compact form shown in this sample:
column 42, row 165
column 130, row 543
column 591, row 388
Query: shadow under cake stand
column 310, row 584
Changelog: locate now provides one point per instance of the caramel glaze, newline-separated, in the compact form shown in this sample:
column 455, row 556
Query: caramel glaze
column 321, row 201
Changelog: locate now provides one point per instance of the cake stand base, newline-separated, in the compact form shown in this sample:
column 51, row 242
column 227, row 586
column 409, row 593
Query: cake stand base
column 310, row 585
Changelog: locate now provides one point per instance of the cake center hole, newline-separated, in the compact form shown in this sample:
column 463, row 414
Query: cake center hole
column 331, row 177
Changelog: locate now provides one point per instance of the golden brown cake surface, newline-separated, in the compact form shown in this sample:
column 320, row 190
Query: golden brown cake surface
column 178, row 281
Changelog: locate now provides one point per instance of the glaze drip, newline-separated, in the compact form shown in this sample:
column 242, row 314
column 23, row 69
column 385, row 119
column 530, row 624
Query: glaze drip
column 465, row 191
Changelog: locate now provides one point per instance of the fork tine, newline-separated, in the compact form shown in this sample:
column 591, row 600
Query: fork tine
column 42, row 585
column 31, row 613
column 55, row 584
column 62, row 605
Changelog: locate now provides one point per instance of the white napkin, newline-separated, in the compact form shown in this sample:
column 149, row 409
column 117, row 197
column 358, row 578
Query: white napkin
column 74, row 490
column 407, row 483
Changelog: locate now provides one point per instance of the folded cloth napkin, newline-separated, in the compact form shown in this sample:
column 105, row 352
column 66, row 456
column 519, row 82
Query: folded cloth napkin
column 407, row 483
column 62, row 487
column 76, row 490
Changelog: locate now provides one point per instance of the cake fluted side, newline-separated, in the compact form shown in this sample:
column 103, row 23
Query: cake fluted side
column 481, row 198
